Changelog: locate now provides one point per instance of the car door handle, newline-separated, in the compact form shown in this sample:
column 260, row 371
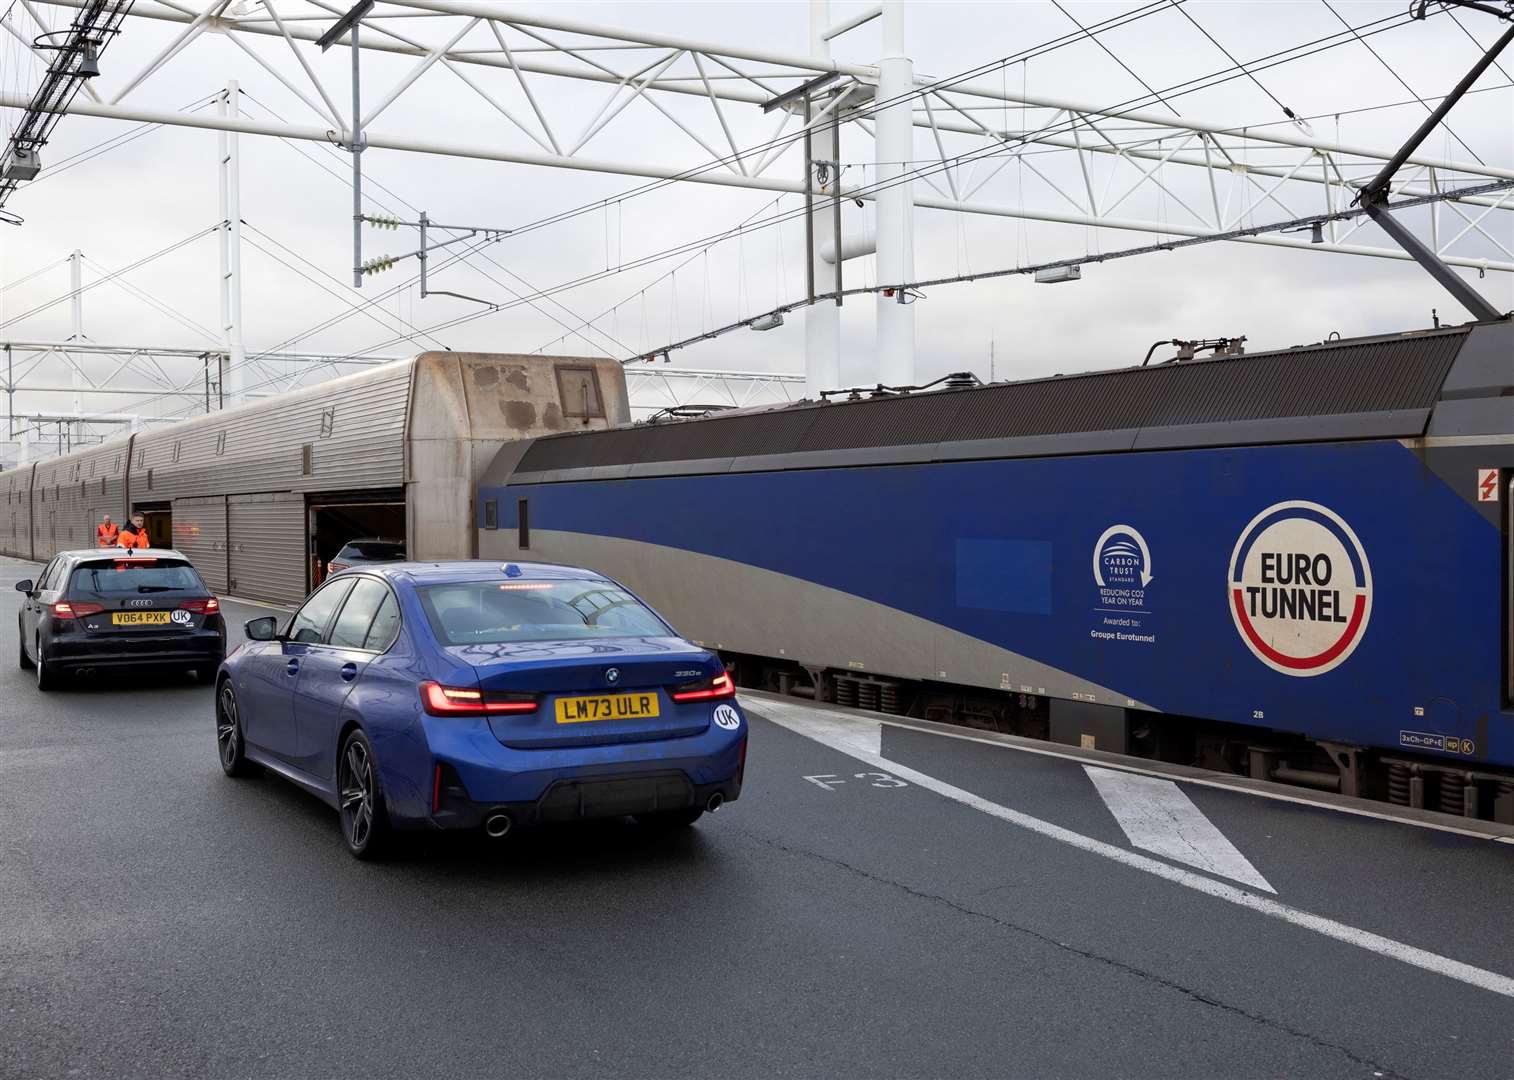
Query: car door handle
column 349, row 671
column 294, row 667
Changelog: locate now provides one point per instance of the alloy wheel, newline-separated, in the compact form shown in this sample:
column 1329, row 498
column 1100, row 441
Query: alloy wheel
column 357, row 794
column 228, row 730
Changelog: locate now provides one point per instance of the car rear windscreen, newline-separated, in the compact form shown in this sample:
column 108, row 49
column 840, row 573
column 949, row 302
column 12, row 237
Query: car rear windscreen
column 111, row 577
column 491, row 612
column 372, row 549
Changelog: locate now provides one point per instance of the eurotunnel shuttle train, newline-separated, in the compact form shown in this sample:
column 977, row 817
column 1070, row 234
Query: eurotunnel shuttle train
column 1292, row 564
column 262, row 496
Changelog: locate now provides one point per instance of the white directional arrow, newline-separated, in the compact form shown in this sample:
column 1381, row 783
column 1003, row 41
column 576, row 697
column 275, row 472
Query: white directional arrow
column 1159, row 818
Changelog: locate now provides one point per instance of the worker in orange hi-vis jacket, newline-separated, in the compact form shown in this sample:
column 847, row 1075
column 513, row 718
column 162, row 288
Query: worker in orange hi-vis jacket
column 107, row 532
column 134, row 535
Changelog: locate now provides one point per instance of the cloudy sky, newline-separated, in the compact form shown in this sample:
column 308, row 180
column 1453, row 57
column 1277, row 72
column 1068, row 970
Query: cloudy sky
column 124, row 200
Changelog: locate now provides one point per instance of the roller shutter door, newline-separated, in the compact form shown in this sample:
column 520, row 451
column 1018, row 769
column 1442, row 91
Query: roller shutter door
column 267, row 546
column 199, row 531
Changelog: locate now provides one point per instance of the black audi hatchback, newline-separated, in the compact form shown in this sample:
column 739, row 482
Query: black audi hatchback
column 105, row 609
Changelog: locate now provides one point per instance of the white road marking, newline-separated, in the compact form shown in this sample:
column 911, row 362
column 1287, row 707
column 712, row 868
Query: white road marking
column 1159, row 818
column 823, row 725
column 1220, row 783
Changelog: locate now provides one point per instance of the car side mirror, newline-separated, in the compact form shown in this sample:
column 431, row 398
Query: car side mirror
column 264, row 629
column 26, row 586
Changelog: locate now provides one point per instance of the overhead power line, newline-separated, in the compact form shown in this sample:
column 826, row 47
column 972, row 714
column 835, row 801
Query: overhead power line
column 976, row 154
column 1104, row 45
column 1295, row 224
column 1401, row 82
column 1286, row 111
column 1224, row 75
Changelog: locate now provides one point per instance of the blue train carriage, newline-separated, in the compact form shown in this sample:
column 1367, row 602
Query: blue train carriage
column 1291, row 564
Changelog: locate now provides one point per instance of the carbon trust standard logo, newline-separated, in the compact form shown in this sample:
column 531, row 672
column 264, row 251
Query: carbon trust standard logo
column 1300, row 588
column 1121, row 559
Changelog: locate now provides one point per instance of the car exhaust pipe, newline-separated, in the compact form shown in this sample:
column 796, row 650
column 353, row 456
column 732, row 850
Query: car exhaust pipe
column 497, row 825
column 715, row 802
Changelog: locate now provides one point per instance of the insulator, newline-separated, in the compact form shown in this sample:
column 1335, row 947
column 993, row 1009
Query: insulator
column 378, row 265
column 1398, row 785
column 382, row 222
column 846, row 692
column 867, row 696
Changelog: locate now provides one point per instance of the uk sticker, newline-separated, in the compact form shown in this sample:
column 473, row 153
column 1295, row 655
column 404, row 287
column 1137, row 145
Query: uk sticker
column 727, row 717
column 1487, row 485
column 180, row 616
column 1300, row 588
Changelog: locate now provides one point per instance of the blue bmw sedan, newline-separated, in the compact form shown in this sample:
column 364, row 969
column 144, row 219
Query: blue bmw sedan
column 475, row 695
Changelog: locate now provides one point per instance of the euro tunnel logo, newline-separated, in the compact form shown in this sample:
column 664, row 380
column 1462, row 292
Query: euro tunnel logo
column 1300, row 588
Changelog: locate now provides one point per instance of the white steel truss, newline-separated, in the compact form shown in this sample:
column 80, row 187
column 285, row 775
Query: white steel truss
column 1115, row 155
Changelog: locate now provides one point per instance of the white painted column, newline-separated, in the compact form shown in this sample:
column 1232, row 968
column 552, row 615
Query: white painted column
column 822, row 321
column 76, row 333
column 895, row 202
column 231, row 249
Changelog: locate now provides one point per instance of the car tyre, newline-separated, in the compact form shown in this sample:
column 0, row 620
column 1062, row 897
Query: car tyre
column 671, row 819
column 26, row 661
column 47, row 679
column 231, row 746
column 360, row 799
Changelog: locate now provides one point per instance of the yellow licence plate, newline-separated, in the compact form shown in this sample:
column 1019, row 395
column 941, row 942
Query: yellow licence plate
column 575, row 710
column 139, row 618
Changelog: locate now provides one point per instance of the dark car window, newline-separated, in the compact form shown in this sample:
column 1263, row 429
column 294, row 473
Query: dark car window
column 309, row 623
column 386, row 625
column 372, row 550
column 486, row 612
column 351, row 627
column 115, row 577
column 43, row 582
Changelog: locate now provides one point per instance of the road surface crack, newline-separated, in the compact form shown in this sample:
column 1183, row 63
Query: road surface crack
column 1198, row 996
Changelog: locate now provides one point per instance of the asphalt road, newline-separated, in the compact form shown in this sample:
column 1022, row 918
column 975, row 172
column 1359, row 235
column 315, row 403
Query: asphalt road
column 160, row 920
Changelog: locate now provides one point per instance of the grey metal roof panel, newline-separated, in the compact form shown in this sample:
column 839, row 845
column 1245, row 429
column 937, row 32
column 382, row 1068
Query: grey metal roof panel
column 1361, row 388
column 1392, row 424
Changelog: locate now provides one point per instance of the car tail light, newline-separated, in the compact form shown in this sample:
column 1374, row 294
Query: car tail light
column 333, row 566
column 440, row 700
column 73, row 609
column 714, row 689
column 201, row 607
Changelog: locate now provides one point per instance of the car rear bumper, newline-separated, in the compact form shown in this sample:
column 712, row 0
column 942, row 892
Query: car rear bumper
column 481, row 776
column 73, row 651
column 589, row 799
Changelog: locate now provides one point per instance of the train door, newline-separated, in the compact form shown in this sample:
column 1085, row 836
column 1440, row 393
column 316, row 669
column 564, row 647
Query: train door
column 335, row 520
column 159, row 521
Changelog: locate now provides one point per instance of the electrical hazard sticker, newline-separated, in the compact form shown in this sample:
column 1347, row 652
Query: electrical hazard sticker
column 1487, row 485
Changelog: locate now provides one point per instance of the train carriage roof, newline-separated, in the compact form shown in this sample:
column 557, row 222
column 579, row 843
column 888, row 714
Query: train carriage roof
column 1376, row 387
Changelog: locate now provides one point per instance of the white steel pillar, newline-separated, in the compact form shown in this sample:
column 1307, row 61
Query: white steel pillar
column 822, row 321
column 231, row 250
column 896, row 201
column 76, row 331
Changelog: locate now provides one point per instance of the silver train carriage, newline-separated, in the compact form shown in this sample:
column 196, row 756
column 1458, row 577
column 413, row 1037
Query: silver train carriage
column 261, row 496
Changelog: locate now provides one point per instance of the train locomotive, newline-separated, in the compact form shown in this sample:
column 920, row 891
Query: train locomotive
column 1292, row 564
